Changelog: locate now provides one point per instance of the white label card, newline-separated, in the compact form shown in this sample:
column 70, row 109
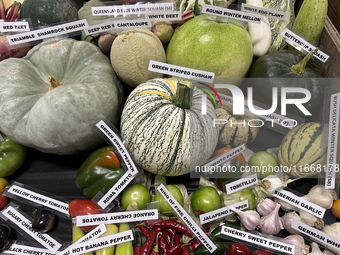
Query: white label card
column 99, row 28
column 131, row 9
column 24, row 249
column 132, row 23
column 317, row 235
column 128, row 176
column 222, row 212
column 258, row 240
column 299, row 202
column 298, row 42
column 269, row 13
column 333, row 134
column 26, row 225
column 225, row 157
column 118, row 217
column 179, row 71
column 39, row 199
column 241, row 184
column 169, row 15
column 93, row 234
column 48, row 32
column 17, row 26
column 230, row 13
column 188, row 221
column 101, row 242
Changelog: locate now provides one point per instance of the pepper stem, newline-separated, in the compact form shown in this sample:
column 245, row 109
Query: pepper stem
column 228, row 3
column 183, row 94
column 156, row 246
column 299, row 69
column 53, row 83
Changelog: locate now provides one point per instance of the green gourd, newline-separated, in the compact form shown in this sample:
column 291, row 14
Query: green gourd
column 52, row 98
column 302, row 150
column 277, row 26
column 310, row 20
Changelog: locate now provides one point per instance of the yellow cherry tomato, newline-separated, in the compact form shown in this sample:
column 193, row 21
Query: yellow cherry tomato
column 3, row 184
column 336, row 208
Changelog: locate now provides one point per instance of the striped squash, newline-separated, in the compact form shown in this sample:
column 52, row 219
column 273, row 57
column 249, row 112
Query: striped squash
column 166, row 135
column 234, row 129
column 301, row 150
column 277, row 26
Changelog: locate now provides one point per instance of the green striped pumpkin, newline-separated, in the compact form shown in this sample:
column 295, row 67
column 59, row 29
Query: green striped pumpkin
column 166, row 135
column 301, row 150
column 277, row 26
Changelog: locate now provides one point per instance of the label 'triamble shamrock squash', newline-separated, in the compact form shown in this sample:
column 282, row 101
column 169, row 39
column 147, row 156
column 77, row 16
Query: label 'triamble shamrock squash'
column 166, row 135
column 52, row 98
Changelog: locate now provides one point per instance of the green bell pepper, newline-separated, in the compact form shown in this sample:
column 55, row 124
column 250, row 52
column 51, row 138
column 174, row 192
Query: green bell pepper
column 12, row 156
column 99, row 172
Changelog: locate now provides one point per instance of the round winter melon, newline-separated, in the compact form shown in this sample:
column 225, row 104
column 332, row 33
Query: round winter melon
column 131, row 53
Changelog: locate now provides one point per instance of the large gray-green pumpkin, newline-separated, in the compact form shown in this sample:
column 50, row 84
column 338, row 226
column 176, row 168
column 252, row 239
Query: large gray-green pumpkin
column 61, row 120
column 166, row 135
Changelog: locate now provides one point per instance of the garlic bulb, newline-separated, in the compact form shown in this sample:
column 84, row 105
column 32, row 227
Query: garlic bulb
column 285, row 206
column 271, row 182
column 333, row 230
column 298, row 242
column 265, row 206
column 321, row 196
column 249, row 219
column 287, row 220
column 316, row 250
column 311, row 220
column 271, row 224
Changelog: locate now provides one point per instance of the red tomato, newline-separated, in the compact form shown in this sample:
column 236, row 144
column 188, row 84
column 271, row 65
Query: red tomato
column 236, row 162
column 83, row 207
column 3, row 201
column 238, row 249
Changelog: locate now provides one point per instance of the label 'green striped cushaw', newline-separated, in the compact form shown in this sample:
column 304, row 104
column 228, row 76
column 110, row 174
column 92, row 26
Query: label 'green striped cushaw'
column 167, row 134
column 302, row 150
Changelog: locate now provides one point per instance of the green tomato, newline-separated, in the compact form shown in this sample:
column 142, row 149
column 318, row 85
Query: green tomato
column 138, row 193
column 12, row 156
column 263, row 163
column 247, row 194
column 164, row 206
column 205, row 199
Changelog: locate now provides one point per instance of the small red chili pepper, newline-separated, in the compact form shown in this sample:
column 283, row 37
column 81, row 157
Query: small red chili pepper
column 177, row 241
column 174, row 250
column 185, row 250
column 194, row 244
column 147, row 246
column 145, row 230
column 173, row 237
column 163, row 243
column 174, row 225
column 155, row 250
column 138, row 247
column 167, row 236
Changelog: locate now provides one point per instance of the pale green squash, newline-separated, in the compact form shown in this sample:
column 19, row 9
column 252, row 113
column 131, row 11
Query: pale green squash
column 168, row 137
column 62, row 120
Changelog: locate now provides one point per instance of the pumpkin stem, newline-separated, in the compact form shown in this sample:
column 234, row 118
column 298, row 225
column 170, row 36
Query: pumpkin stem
column 53, row 83
column 183, row 94
column 228, row 3
column 299, row 69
